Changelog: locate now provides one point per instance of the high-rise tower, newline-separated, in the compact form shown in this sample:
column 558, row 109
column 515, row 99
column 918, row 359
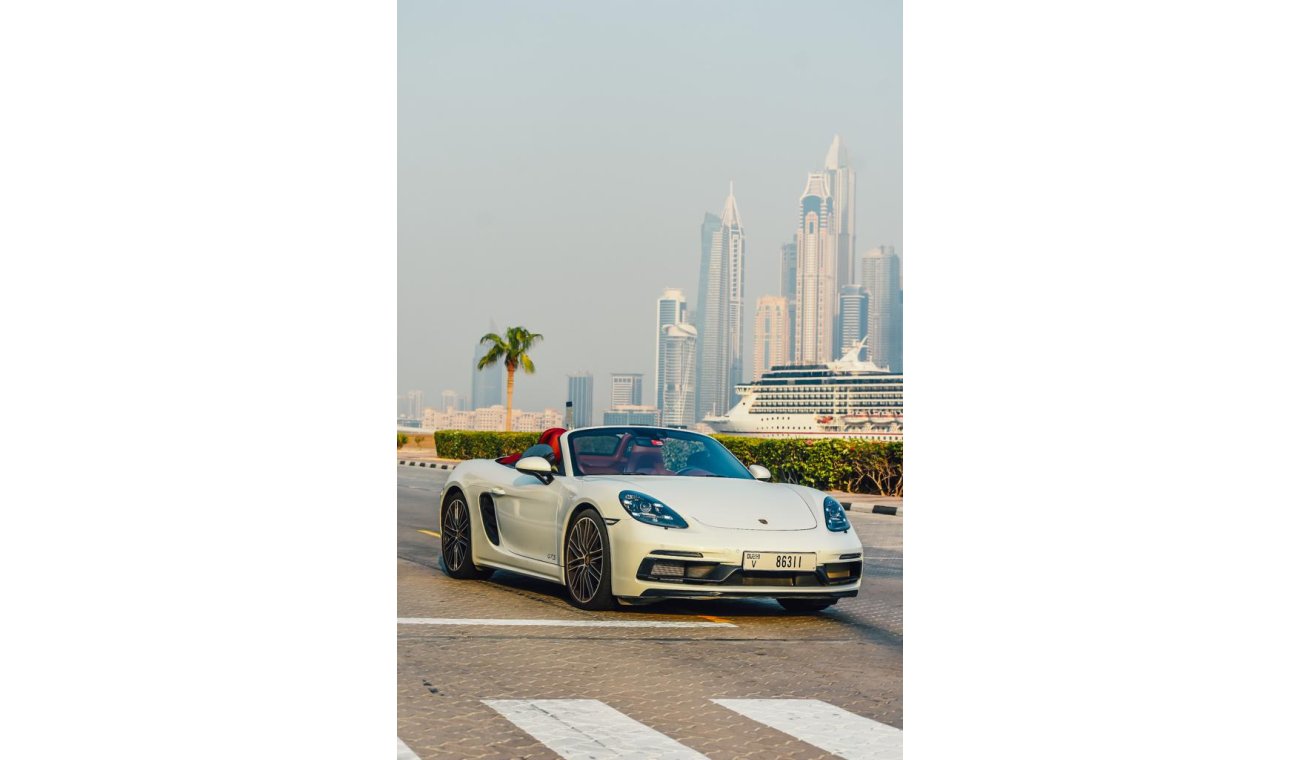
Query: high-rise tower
column 580, row 387
column 625, row 389
column 670, row 309
column 678, row 371
column 816, row 293
column 789, row 291
column 842, row 181
column 771, row 327
column 880, row 276
column 851, row 324
column 720, row 310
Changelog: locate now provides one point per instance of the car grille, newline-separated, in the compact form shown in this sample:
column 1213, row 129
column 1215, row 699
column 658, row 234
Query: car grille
column 717, row 574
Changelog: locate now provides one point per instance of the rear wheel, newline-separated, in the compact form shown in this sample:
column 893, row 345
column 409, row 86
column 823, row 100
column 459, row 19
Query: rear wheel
column 457, row 541
column 806, row 605
column 587, row 562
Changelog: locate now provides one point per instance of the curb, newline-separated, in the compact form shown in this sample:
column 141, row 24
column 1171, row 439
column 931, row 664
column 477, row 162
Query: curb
column 876, row 509
column 430, row 465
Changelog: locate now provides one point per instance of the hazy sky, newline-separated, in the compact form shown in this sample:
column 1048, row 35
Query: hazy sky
column 555, row 160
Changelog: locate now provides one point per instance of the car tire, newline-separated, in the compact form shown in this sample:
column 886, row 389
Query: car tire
column 587, row 566
column 806, row 605
column 458, row 540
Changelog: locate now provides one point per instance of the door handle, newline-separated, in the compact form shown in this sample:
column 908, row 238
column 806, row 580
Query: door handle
column 497, row 491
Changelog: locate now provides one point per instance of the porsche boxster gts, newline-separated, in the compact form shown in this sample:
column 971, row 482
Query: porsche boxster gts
column 639, row 514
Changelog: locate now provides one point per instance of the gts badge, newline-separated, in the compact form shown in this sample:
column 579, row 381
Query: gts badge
column 550, row 557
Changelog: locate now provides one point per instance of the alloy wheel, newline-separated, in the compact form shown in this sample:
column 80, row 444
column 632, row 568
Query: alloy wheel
column 585, row 559
column 455, row 534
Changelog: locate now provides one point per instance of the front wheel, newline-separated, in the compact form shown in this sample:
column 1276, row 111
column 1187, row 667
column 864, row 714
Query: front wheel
column 457, row 541
column 806, row 605
column 587, row 563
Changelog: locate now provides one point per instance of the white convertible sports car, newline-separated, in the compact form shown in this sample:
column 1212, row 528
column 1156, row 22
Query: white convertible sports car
column 639, row 514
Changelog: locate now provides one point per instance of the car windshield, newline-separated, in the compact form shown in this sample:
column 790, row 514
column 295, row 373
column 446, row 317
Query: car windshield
column 651, row 451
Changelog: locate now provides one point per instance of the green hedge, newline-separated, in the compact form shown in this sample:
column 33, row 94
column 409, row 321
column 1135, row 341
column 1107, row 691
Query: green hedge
column 471, row 444
column 848, row 464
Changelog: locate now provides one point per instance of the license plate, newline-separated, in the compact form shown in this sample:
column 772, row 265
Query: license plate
column 796, row 562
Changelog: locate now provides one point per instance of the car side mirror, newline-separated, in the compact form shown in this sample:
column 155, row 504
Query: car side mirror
column 538, row 467
column 760, row 472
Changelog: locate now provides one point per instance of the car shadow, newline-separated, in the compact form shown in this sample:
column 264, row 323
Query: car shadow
column 734, row 608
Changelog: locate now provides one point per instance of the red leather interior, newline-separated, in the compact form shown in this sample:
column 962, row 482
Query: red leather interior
column 550, row 436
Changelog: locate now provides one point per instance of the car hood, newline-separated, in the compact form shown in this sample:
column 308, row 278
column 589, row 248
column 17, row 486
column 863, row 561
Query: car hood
column 724, row 502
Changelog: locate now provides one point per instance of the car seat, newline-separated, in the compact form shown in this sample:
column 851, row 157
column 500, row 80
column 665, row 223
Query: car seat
column 550, row 437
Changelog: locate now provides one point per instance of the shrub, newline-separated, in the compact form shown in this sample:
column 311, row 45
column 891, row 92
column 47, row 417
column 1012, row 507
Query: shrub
column 402, row 440
column 848, row 464
column 472, row 444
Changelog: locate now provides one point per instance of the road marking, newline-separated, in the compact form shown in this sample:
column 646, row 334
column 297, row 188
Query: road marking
column 429, row 532
column 566, row 623
column 589, row 728
column 404, row 752
column 824, row 726
column 715, row 619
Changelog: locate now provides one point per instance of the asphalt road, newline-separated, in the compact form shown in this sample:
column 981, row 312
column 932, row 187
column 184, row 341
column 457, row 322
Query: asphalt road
column 568, row 686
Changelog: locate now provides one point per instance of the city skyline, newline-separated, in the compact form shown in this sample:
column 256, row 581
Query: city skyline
column 524, row 201
column 834, row 319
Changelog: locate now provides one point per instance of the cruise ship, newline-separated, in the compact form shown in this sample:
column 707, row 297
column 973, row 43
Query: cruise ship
column 848, row 398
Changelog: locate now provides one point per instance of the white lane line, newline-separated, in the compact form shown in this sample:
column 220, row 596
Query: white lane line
column 404, row 752
column 824, row 726
column 589, row 729
column 566, row 623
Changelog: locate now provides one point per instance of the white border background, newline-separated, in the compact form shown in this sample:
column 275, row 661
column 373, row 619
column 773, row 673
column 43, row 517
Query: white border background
column 198, row 233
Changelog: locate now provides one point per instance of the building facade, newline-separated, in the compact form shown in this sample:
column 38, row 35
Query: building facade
column 815, row 292
column 670, row 309
column 851, row 326
column 580, row 393
column 842, row 182
column 625, row 389
column 880, row 276
column 492, row 419
column 631, row 414
column 678, row 372
column 414, row 406
column 720, row 310
column 771, row 331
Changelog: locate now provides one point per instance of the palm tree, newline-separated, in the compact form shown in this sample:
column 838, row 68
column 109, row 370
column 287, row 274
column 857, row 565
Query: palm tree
column 513, row 351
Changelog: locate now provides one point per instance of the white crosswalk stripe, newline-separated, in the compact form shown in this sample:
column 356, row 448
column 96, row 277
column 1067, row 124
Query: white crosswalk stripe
column 589, row 729
column 404, row 752
column 824, row 726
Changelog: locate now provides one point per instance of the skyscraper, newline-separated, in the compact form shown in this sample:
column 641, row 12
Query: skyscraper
column 678, row 372
column 789, row 291
column 625, row 389
column 670, row 309
column 451, row 401
column 414, row 405
column 842, row 181
column 486, row 385
column 851, row 326
column 815, row 292
column 771, row 329
column 580, row 394
column 720, row 311
column 880, row 276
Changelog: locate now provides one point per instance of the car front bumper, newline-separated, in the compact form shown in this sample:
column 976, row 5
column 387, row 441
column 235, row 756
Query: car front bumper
column 712, row 562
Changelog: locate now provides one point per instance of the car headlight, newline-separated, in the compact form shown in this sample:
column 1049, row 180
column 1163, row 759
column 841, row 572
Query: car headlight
column 836, row 520
column 650, row 510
